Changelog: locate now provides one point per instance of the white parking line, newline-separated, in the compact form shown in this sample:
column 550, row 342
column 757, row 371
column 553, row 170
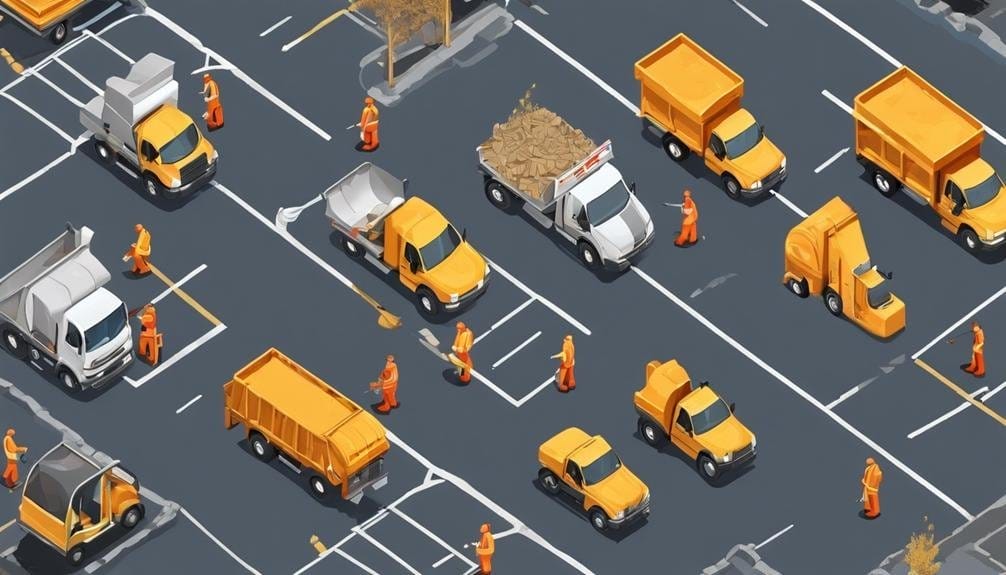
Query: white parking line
column 433, row 536
column 751, row 14
column 387, row 551
column 110, row 46
column 38, row 117
column 806, row 396
column 958, row 323
column 174, row 358
column 830, row 160
column 274, row 26
column 219, row 543
column 964, row 405
column 178, row 284
column 354, row 561
column 558, row 311
column 44, row 169
column 77, row 103
column 99, row 16
column 186, row 406
column 505, row 319
column 443, row 560
column 78, row 75
column 527, row 341
column 835, row 100
column 788, row 203
column 773, row 538
column 991, row 394
column 852, row 392
column 535, row 391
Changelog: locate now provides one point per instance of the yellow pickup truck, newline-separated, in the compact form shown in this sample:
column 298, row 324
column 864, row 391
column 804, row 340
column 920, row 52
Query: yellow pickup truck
column 588, row 469
column 697, row 421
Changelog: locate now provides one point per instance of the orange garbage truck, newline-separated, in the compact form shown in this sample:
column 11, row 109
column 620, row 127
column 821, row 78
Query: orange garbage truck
column 289, row 412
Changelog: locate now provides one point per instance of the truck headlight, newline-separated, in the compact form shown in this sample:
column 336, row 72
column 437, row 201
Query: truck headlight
column 649, row 227
column 756, row 184
column 216, row 155
column 646, row 498
column 488, row 269
column 619, row 516
column 175, row 182
column 754, row 441
column 783, row 164
column 726, row 458
column 454, row 298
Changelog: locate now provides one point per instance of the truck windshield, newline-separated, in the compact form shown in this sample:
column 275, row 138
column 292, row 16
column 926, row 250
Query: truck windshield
column 878, row 295
column 710, row 417
column 180, row 146
column 601, row 468
column 743, row 142
column 608, row 204
column 105, row 330
column 440, row 248
column 984, row 192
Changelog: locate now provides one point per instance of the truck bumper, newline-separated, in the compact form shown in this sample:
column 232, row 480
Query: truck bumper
column 468, row 298
column 109, row 373
column 193, row 186
column 639, row 513
column 774, row 179
column 741, row 461
column 626, row 261
column 994, row 244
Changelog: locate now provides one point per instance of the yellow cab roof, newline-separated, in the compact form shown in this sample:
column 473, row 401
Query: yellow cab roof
column 973, row 173
column 690, row 74
column 164, row 124
column 667, row 378
column 872, row 278
column 735, row 124
column 420, row 221
column 698, row 400
column 588, row 453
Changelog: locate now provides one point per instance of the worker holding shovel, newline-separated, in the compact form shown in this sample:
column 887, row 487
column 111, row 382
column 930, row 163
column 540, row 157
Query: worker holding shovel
column 139, row 251
column 565, row 377
column 387, row 383
column 151, row 341
column 14, row 452
column 977, row 365
column 463, row 342
column 689, row 222
column 214, row 114
column 369, row 138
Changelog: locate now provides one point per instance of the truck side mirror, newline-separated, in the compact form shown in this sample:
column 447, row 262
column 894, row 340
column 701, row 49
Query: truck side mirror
column 632, row 187
column 464, row 234
column 958, row 208
column 761, row 131
column 405, row 185
column 733, row 407
column 413, row 265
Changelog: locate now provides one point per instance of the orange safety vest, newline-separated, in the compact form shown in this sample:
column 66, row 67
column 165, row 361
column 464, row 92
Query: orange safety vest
column 872, row 477
column 391, row 382
column 369, row 118
column 978, row 346
column 10, row 448
column 487, row 546
column 212, row 90
column 143, row 243
column 690, row 218
column 568, row 354
column 464, row 340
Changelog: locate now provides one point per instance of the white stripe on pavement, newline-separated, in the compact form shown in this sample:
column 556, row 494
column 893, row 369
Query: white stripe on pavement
column 274, row 26
column 806, row 396
column 433, row 536
column 43, row 170
column 176, row 357
column 830, row 160
column 186, row 406
column 835, row 100
column 505, row 319
column 526, row 342
column 945, row 416
column 558, row 311
column 219, row 543
column 535, row 391
column 38, row 117
column 751, row 14
column 992, row 393
column 387, row 551
column 970, row 314
column 78, row 75
column 178, row 284
column 99, row 16
column 77, row 103
column 354, row 561
column 445, row 559
column 773, row 538
column 109, row 45
column 856, row 389
column 788, row 203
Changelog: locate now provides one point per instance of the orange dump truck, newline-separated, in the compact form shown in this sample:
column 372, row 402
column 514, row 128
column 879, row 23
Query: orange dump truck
column 45, row 17
column 288, row 411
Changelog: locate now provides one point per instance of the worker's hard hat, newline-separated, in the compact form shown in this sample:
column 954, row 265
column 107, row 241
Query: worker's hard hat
column 390, row 357
column 870, row 461
column 461, row 325
column 568, row 338
column 688, row 193
column 207, row 76
column 139, row 227
column 368, row 100
column 485, row 528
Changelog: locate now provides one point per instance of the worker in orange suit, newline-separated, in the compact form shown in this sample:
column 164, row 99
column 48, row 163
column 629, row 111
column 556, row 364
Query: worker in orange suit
column 214, row 115
column 565, row 376
column 872, row 477
column 388, row 384
column 689, row 222
column 463, row 342
column 151, row 341
column 13, row 451
column 369, row 138
column 977, row 365
column 140, row 251
column 485, row 549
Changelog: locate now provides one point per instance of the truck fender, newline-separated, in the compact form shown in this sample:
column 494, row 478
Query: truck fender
column 121, row 509
column 795, row 284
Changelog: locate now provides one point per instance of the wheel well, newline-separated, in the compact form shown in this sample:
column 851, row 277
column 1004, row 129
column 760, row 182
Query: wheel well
column 964, row 227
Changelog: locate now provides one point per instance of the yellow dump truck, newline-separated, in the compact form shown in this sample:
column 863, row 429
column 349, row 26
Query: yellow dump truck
column 696, row 420
column 319, row 432
column 407, row 236
column 587, row 469
column 826, row 254
column 46, row 17
column 694, row 101
column 910, row 136
column 70, row 500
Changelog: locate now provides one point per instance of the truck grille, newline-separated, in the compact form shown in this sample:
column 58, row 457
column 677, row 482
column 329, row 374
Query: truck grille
column 371, row 472
column 194, row 169
column 743, row 453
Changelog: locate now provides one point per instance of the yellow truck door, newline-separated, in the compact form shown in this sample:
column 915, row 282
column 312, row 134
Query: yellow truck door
column 949, row 200
column 715, row 154
column 681, row 433
column 573, row 478
column 410, row 266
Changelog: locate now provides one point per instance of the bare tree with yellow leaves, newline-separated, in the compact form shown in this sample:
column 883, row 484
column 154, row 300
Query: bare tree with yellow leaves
column 401, row 19
column 921, row 552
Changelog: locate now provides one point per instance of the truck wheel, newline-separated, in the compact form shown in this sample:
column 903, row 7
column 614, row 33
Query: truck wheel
column 60, row 32
column 674, row 148
column 131, row 517
column 498, row 195
column 732, row 187
column 429, row 305
column 833, row 302
column 598, row 519
column 969, row 239
column 352, row 249
column 151, row 186
column 651, row 434
column 104, row 152
column 261, row 447
column 319, row 487
column 69, row 380
column 588, row 255
column 798, row 287
column 548, row 481
column 15, row 344
column 76, row 555
column 707, row 467
column 884, row 183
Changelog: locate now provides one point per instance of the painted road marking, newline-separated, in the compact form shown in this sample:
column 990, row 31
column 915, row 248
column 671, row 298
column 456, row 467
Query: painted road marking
column 186, row 406
column 956, row 325
column 274, row 26
column 852, row 392
column 110, row 46
column 38, row 117
column 176, row 357
column 992, row 393
column 8, row 524
column 445, row 559
column 964, row 405
column 773, row 538
column 173, row 286
column 178, row 284
column 830, row 160
column 99, row 16
column 353, row 560
column 78, row 75
column 431, row 535
column 957, row 389
column 219, row 543
column 387, row 551
column 505, row 319
column 38, row 74
column 835, row 100
column 877, row 50
column 44, row 169
column 789, row 204
column 527, row 341
column 802, row 393
column 751, row 14
column 558, row 311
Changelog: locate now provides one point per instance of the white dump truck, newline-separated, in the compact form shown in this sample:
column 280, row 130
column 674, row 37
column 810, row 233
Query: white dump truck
column 55, row 313
column 588, row 205
column 137, row 119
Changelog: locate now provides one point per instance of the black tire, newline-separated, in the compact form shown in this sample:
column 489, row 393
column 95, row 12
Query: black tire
column 76, row 555
column 318, row 487
column 352, row 249
column 261, row 447
column 548, row 481
column 68, row 380
column 969, row 240
column 674, row 148
column 14, row 343
column 60, row 32
column 598, row 519
column 732, row 187
column 885, row 184
column 650, row 432
column 833, row 302
column 428, row 304
column 105, row 154
column 498, row 195
column 798, row 287
column 707, row 467
column 131, row 517
column 588, row 255
column 152, row 187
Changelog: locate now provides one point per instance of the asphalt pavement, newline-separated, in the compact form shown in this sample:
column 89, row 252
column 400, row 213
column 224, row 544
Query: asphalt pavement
column 820, row 393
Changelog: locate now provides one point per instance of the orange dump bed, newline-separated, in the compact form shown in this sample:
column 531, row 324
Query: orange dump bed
column 41, row 14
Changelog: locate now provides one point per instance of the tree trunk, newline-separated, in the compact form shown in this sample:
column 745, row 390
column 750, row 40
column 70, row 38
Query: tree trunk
column 391, row 59
column 447, row 23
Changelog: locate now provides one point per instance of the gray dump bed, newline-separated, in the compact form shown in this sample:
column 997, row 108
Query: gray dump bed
column 37, row 293
column 362, row 198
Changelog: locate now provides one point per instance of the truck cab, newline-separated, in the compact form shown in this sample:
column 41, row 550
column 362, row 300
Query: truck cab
column 588, row 469
column 172, row 152
column 973, row 204
column 96, row 334
column 738, row 147
column 696, row 420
